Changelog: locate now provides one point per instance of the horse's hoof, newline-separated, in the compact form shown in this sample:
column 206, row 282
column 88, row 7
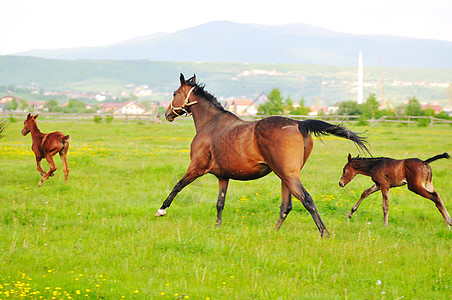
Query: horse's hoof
column 161, row 212
column 325, row 233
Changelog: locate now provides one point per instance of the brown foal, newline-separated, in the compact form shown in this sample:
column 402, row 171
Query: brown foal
column 387, row 173
column 231, row 148
column 46, row 146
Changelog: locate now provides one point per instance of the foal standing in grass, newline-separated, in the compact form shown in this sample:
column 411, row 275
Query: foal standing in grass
column 387, row 173
column 231, row 148
column 46, row 146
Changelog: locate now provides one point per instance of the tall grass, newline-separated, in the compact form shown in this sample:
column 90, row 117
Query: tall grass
column 97, row 237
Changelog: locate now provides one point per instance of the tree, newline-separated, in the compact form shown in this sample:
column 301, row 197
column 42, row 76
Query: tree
column 12, row 105
column 301, row 109
column 53, row 106
column 350, row 108
column 413, row 108
column 370, row 107
column 274, row 105
column 23, row 104
column 75, row 106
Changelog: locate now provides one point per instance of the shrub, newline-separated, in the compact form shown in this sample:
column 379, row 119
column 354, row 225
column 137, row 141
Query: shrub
column 109, row 119
column 97, row 119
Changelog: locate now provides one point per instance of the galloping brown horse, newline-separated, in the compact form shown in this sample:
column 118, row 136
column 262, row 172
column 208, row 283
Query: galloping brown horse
column 46, row 146
column 387, row 173
column 231, row 148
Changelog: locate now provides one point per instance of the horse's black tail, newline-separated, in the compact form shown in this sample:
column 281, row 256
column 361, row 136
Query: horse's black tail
column 319, row 128
column 436, row 157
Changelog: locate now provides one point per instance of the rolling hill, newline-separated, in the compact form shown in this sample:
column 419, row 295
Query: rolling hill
column 224, row 41
column 317, row 84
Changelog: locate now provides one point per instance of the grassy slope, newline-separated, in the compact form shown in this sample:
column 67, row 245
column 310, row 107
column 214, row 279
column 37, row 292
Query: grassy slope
column 97, row 236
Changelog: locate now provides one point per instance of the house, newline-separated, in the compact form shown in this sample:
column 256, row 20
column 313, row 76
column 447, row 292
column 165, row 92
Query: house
column 437, row 108
column 130, row 107
column 242, row 107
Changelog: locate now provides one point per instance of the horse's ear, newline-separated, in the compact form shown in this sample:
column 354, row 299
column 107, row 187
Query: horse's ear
column 29, row 116
column 193, row 79
column 35, row 116
column 349, row 157
column 182, row 79
column 357, row 156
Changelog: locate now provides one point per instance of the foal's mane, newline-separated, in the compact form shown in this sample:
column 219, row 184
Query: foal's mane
column 201, row 92
column 368, row 158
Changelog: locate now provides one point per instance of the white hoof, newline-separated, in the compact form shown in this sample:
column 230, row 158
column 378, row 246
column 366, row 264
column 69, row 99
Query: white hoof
column 160, row 212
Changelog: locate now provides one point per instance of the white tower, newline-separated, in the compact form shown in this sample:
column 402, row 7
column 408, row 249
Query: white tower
column 360, row 78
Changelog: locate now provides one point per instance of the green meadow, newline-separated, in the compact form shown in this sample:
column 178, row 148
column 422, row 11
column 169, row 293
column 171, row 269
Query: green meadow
column 97, row 238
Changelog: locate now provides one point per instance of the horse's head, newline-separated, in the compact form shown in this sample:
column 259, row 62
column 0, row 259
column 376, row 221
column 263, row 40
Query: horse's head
column 180, row 104
column 349, row 172
column 29, row 123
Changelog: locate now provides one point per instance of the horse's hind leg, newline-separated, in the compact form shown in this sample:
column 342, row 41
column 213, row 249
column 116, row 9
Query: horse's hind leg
column 286, row 205
column 63, row 156
column 364, row 195
column 434, row 196
column 296, row 188
column 223, row 186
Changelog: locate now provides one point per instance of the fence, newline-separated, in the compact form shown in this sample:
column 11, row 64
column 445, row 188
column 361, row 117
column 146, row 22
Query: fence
column 150, row 118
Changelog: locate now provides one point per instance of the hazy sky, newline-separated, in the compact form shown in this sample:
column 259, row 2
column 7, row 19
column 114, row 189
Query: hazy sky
column 51, row 24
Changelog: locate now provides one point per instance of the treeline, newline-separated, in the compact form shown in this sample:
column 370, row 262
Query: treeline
column 72, row 106
column 370, row 109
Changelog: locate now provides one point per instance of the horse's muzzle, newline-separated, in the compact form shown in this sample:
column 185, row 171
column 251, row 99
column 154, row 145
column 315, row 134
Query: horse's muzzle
column 341, row 184
column 170, row 117
column 24, row 133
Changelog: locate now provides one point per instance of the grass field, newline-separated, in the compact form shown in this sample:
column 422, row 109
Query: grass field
column 97, row 238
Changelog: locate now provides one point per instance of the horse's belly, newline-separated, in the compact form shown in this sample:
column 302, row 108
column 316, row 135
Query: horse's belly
column 242, row 172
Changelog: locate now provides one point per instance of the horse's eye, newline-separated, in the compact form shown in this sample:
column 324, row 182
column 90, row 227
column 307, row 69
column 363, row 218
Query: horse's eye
column 174, row 94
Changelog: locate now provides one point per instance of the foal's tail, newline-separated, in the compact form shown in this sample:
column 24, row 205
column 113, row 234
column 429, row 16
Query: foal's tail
column 319, row 128
column 64, row 140
column 436, row 157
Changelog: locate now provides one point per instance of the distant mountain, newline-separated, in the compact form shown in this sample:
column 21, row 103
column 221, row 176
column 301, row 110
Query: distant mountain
column 224, row 41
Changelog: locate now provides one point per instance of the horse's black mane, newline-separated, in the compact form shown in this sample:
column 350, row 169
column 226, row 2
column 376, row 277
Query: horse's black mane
column 369, row 158
column 201, row 92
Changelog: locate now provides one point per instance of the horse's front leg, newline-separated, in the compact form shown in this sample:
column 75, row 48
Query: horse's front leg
column 49, row 158
column 188, row 178
column 38, row 166
column 223, row 187
column 364, row 195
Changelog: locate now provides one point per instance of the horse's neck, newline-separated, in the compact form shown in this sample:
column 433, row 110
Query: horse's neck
column 364, row 167
column 36, row 134
column 203, row 113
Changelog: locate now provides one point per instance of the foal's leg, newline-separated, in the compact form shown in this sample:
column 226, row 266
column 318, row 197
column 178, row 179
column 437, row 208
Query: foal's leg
column 434, row 196
column 49, row 158
column 296, row 188
column 63, row 156
column 38, row 166
column 188, row 178
column 286, row 204
column 364, row 195
column 223, row 183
